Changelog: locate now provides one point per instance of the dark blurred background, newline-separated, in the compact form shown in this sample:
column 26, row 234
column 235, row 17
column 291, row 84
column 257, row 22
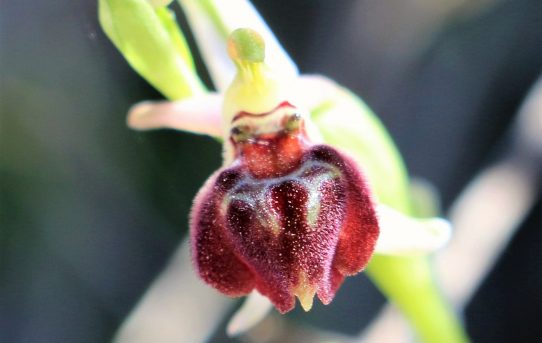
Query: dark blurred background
column 90, row 211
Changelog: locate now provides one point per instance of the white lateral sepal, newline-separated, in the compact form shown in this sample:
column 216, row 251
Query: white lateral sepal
column 404, row 235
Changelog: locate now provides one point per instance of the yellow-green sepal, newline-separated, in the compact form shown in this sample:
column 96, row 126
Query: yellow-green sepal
column 346, row 122
column 153, row 45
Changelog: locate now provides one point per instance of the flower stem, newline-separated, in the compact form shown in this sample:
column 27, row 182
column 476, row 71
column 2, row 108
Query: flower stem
column 418, row 299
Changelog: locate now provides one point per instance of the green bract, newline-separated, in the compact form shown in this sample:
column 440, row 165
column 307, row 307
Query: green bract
column 349, row 124
column 152, row 43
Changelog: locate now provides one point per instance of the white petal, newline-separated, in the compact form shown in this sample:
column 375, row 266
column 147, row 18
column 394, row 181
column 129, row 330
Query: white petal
column 315, row 90
column 403, row 235
column 211, row 37
column 199, row 115
column 253, row 310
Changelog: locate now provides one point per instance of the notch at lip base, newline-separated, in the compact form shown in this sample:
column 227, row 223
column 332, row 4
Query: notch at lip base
column 242, row 114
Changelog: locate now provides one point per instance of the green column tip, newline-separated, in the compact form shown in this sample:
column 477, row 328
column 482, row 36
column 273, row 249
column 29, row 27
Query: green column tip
column 246, row 45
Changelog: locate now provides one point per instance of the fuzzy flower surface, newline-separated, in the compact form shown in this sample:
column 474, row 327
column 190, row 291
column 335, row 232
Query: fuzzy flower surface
column 273, row 236
column 290, row 213
column 286, row 216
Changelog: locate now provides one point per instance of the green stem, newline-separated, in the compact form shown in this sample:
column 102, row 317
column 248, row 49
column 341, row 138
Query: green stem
column 417, row 297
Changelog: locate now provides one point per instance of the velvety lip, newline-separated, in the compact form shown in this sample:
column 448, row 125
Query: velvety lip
column 243, row 114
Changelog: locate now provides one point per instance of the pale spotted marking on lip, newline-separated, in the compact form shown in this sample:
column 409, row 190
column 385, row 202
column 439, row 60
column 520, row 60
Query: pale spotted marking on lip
column 242, row 114
column 255, row 192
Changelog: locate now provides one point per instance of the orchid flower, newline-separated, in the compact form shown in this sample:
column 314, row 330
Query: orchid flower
column 291, row 142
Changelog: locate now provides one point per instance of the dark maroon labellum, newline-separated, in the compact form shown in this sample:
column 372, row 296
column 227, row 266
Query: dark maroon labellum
column 287, row 232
